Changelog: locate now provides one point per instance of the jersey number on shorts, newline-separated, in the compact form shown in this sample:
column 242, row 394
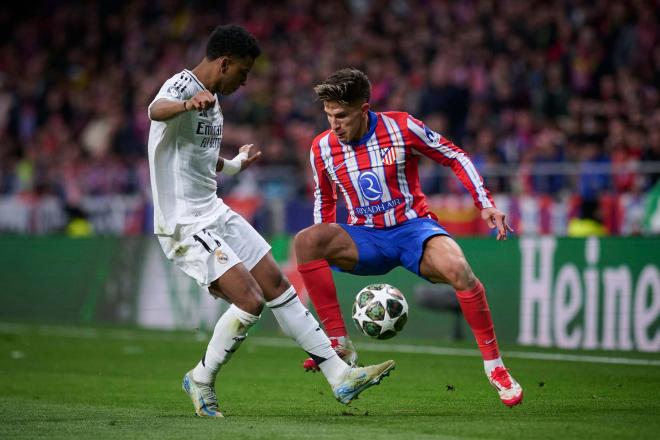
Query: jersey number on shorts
column 209, row 239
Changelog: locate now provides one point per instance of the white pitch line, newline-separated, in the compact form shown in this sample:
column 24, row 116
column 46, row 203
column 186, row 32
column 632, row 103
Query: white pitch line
column 121, row 334
column 447, row 351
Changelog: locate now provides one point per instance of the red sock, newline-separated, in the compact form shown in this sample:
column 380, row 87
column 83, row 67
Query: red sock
column 317, row 276
column 477, row 314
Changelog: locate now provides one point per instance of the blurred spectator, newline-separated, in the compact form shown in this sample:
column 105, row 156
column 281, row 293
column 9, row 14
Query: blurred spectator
column 589, row 222
column 521, row 86
column 594, row 177
column 78, row 225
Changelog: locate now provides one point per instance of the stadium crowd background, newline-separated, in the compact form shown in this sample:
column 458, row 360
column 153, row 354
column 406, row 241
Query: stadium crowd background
column 547, row 97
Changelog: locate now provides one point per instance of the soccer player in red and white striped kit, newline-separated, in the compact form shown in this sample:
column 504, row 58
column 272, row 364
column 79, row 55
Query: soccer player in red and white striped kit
column 372, row 158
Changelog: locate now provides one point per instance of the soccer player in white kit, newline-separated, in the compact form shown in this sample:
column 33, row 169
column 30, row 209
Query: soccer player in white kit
column 209, row 241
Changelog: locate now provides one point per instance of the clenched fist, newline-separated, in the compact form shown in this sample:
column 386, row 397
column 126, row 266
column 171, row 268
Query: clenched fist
column 201, row 101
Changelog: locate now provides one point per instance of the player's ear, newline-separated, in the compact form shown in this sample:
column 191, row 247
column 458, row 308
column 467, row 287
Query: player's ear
column 224, row 64
column 364, row 108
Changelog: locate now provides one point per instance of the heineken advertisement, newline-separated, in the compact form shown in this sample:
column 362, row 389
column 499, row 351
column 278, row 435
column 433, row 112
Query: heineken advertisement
column 592, row 294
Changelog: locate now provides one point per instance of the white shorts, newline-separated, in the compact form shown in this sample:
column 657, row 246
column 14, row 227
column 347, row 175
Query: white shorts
column 207, row 254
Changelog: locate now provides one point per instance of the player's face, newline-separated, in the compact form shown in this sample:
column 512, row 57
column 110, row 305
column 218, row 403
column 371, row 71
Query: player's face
column 234, row 72
column 348, row 122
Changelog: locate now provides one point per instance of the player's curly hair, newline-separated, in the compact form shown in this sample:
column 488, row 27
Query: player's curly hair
column 234, row 40
column 346, row 86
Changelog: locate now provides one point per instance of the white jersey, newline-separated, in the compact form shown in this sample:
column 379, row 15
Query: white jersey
column 183, row 153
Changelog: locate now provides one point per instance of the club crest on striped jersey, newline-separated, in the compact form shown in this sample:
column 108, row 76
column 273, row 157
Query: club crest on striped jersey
column 370, row 186
column 388, row 155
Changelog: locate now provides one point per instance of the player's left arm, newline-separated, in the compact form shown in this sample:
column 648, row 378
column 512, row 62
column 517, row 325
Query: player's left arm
column 442, row 150
column 240, row 162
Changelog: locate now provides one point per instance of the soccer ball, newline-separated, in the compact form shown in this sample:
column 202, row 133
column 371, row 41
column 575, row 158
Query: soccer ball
column 380, row 311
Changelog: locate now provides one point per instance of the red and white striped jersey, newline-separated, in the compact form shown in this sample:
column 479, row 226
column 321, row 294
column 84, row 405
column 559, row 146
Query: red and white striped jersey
column 378, row 175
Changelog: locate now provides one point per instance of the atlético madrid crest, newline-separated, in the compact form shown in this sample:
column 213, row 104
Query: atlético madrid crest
column 388, row 155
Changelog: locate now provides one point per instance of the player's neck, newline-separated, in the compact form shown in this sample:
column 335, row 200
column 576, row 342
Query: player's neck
column 364, row 128
column 203, row 73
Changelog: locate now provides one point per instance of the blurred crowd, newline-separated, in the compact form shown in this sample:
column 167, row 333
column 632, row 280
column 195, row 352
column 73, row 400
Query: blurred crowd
column 517, row 84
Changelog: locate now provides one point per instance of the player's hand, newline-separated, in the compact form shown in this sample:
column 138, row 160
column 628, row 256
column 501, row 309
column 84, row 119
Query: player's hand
column 496, row 219
column 247, row 162
column 201, row 101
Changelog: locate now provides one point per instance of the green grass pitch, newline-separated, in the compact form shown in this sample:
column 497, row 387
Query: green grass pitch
column 60, row 382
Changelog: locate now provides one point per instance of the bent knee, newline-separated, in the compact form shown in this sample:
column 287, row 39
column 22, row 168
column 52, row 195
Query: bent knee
column 307, row 237
column 253, row 302
column 458, row 273
column 311, row 241
column 250, row 299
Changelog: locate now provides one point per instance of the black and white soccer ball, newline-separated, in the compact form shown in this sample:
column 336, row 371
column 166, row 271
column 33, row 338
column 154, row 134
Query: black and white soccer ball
column 380, row 311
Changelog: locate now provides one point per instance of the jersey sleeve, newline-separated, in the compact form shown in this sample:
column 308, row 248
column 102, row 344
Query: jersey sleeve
column 442, row 150
column 174, row 89
column 325, row 192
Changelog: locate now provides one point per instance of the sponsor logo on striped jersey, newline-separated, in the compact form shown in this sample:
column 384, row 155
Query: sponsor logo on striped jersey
column 370, row 186
column 377, row 209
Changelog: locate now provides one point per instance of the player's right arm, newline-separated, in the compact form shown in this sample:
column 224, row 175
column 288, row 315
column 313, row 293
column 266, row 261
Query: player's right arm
column 165, row 108
column 325, row 194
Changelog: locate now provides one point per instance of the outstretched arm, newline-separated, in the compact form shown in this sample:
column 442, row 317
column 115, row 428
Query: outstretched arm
column 443, row 151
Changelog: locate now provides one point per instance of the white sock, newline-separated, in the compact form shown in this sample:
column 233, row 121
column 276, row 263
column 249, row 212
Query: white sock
column 298, row 323
column 489, row 366
column 228, row 334
column 334, row 369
